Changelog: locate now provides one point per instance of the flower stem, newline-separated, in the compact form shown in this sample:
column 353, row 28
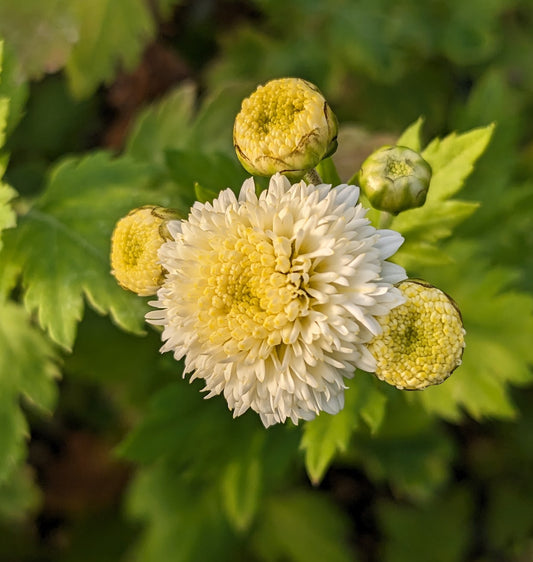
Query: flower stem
column 311, row 176
column 385, row 219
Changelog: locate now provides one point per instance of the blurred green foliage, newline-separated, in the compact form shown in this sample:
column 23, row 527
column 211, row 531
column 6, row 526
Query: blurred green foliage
column 443, row 474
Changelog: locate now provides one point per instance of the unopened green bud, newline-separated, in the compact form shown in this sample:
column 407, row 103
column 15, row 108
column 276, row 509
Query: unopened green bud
column 284, row 126
column 395, row 178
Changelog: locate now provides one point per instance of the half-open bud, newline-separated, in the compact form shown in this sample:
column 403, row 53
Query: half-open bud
column 284, row 126
column 134, row 245
column 422, row 340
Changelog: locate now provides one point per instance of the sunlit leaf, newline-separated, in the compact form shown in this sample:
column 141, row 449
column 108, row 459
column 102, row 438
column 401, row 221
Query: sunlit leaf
column 61, row 246
column 327, row 435
column 110, row 33
column 498, row 351
column 411, row 137
column 27, row 368
column 41, row 32
column 452, row 160
column 162, row 126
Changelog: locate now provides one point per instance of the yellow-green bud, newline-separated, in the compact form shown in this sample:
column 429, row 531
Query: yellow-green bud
column 284, row 126
column 422, row 341
column 134, row 245
column 395, row 178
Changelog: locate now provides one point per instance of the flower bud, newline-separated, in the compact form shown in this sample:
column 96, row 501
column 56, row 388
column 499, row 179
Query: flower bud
column 134, row 245
column 284, row 126
column 422, row 341
column 395, row 178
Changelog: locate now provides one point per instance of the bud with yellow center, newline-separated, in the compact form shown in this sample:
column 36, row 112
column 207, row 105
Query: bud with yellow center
column 134, row 245
column 395, row 178
column 422, row 340
column 284, row 126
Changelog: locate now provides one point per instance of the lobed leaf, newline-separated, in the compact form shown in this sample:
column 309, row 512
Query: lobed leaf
column 410, row 451
column 498, row 325
column 327, row 435
column 411, row 137
column 27, row 368
column 61, row 247
column 111, row 32
column 452, row 160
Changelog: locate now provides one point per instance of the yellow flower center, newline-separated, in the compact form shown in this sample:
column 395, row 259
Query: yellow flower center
column 251, row 292
column 422, row 340
column 398, row 169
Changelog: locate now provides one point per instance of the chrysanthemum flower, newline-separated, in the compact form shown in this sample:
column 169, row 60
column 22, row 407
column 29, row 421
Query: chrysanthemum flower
column 422, row 340
column 272, row 299
column 284, row 126
column 134, row 245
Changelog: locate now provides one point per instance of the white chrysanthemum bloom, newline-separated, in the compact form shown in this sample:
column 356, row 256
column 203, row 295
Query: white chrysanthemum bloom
column 272, row 299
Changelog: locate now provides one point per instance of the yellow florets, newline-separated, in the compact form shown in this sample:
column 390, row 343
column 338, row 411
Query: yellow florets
column 134, row 245
column 252, row 291
column 284, row 126
column 422, row 340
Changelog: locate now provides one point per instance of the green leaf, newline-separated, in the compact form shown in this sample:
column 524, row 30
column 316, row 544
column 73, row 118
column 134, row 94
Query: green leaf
column 411, row 137
column 410, row 452
column 452, row 160
column 512, row 531
column 414, row 254
column 212, row 171
column 4, row 105
column 241, row 484
column 498, row 351
column 13, row 91
column 28, row 368
column 27, row 359
column 327, row 435
column 202, row 194
column 302, row 527
column 7, row 215
column 61, row 247
column 163, row 126
column 13, row 433
column 111, row 32
column 425, row 226
column 183, row 522
column 41, row 33
column 18, row 495
column 438, row 532
column 178, row 419
column 172, row 125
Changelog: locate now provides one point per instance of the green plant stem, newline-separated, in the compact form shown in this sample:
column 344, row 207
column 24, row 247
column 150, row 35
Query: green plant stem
column 385, row 219
column 311, row 176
